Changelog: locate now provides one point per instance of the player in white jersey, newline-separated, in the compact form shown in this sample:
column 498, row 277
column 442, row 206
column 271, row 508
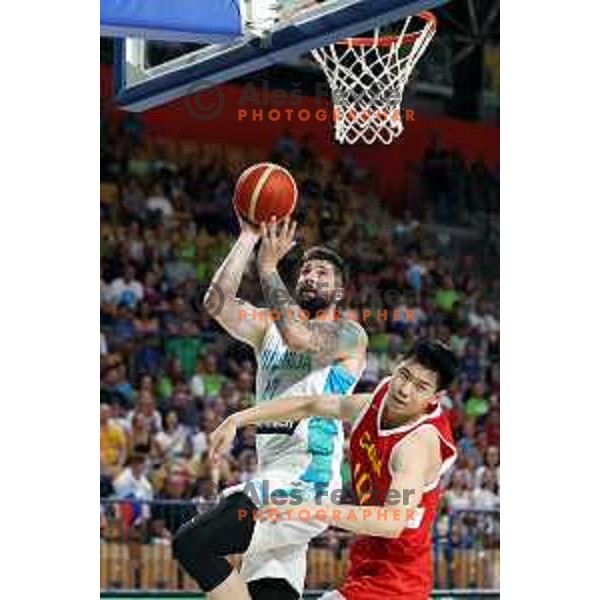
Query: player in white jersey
column 303, row 346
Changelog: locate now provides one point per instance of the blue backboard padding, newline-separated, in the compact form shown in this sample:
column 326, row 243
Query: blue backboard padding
column 242, row 58
column 180, row 20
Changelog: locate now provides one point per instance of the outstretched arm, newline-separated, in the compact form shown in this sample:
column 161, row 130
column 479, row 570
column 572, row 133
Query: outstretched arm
column 345, row 407
column 237, row 317
column 416, row 462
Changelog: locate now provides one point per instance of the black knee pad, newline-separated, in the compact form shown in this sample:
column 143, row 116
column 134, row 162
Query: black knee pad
column 195, row 555
column 201, row 544
column 183, row 541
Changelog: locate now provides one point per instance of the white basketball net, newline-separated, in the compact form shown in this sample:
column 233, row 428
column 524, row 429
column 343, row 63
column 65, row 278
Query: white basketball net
column 367, row 79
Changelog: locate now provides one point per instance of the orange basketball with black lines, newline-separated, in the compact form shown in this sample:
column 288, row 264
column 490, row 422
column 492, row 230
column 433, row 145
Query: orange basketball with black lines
column 263, row 191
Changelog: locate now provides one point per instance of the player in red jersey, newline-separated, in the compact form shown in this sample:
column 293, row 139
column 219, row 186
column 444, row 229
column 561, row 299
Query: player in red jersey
column 400, row 446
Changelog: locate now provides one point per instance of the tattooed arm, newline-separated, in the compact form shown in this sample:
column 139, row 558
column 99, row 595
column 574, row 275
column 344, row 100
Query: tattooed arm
column 238, row 318
column 330, row 338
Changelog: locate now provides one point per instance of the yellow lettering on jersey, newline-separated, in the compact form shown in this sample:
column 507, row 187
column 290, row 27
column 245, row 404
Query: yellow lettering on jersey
column 366, row 443
column 362, row 485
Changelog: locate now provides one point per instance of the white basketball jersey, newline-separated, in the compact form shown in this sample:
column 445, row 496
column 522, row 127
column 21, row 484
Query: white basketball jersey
column 309, row 450
column 300, row 455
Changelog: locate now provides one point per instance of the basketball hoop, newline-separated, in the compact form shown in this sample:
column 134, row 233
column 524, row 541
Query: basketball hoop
column 367, row 77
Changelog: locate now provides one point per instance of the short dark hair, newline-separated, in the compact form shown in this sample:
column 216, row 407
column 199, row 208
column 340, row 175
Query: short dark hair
column 436, row 356
column 137, row 459
column 327, row 254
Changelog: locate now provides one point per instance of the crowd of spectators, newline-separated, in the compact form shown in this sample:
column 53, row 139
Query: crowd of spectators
column 170, row 374
column 456, row 191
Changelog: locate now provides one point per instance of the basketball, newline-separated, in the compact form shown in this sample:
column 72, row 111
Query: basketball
column 263, row 191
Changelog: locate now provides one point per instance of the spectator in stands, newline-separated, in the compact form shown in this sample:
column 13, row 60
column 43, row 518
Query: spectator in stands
column 119, row 415
column 459, row 537
column 485, row 496
column 134, row 245
column 152, row 293
column 447, row 295
column 109, row 378
column 145, row 323
column 464, row 468
column 178, row 270
column 197, row 380
column 481, row 445
column 466, row 438
column 491, row 462
column 114, row 386
column 183, row 404
column 459, row 495
column 211, row 378
column 183, row 342
column 133, row 485
column 492, row 425
column 146, row 384
column 132, row 199
column 132, row 481
column 158, row 201
column 471, row 363
column 476, row 317
column 145, row 408
column 477, row 404
column 141, row 441
column 228, row 400
column 491, row 318
column 169, row 380
column 122, row 330
column 172, row 440
column 176, row 317
column 210, row 420
column 126, row 290
column 148, row 354
column 459, row 339
column 245, row 390
column 113, row 442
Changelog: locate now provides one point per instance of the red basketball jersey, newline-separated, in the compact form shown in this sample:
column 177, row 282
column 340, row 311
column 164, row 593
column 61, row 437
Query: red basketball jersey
column 399, row 568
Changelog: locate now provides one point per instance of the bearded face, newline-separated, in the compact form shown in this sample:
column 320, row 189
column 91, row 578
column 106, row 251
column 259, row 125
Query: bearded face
column 315, row 286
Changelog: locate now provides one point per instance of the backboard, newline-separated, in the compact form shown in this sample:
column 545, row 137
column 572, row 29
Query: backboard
column 297, row 27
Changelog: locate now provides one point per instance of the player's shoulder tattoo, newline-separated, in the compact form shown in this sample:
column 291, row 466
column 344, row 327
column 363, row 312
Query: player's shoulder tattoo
column 337, row 336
